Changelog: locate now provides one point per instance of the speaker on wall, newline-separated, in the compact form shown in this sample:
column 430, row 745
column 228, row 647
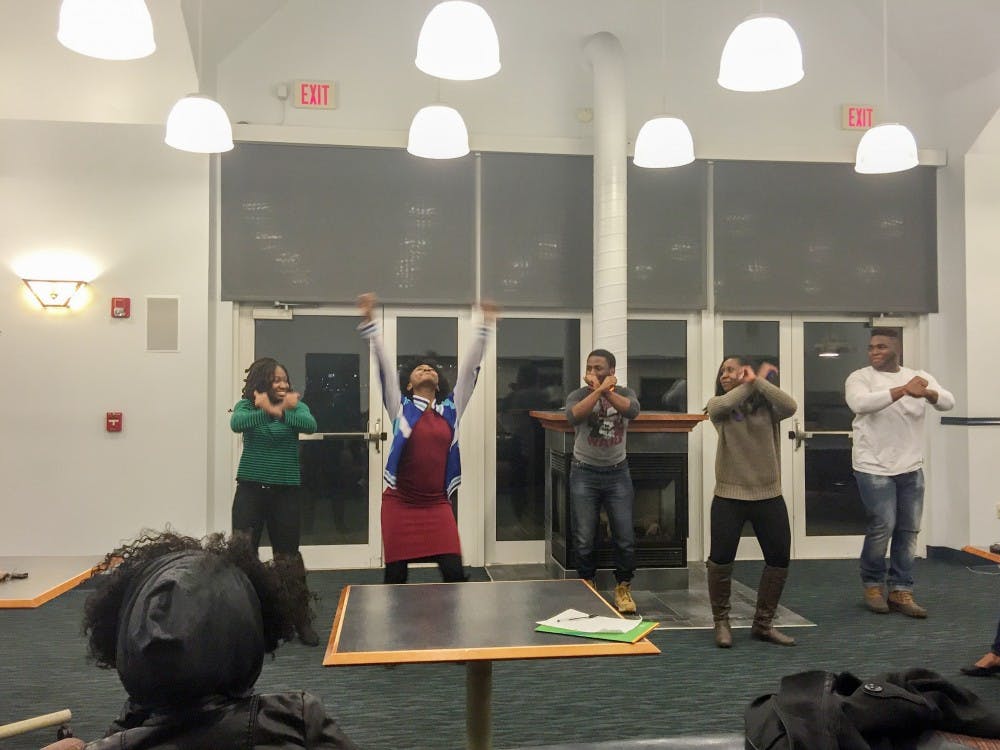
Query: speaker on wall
column 162, row 324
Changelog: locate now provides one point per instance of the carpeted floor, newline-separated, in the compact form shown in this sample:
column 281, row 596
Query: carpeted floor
column 692, row 687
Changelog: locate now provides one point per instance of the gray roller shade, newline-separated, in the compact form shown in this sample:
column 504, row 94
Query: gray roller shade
column 667, row 227
column 822, row 238
column 538, row 230
column 305, row 223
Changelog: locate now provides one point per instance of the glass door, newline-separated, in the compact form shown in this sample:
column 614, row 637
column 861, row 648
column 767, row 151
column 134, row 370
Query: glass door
column 828, row 519
column 328, row 364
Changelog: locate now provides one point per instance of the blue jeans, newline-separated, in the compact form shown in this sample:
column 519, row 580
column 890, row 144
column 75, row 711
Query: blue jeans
column 589, row 488
column 894, row 506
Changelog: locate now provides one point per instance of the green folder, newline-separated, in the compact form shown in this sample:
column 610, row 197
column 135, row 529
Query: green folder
column 641, row 630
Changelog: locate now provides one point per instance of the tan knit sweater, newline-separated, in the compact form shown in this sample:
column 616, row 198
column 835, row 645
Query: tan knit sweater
column 747, row 463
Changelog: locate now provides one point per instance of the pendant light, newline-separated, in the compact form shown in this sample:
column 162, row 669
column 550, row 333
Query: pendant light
column 438, row 132
column 458, row 42
column 663, row 141
column 889, row 147
column 762, row 54
column 197, row 123
column 106, row 29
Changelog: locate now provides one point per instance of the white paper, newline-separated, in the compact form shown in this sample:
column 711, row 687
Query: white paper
column 572, row 619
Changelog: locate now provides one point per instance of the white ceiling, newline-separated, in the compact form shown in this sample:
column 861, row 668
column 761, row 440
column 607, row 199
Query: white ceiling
column 946, row 43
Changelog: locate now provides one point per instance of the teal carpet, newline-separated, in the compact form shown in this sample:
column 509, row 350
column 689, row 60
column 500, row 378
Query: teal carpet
column 692, row 687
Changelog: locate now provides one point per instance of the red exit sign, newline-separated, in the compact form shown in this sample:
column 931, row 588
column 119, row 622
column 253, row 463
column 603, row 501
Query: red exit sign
column 857, row 117
column 314, row 94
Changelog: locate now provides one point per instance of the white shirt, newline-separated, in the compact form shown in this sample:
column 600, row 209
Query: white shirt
column 889, row 435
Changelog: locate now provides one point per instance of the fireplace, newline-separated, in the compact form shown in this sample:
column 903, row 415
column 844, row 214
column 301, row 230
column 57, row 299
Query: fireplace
column 658, row 463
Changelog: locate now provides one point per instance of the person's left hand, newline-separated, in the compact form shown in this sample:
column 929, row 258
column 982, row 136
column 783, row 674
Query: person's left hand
column 766, row 369
column 491, row 311
column 609, row 383
column 291, row 400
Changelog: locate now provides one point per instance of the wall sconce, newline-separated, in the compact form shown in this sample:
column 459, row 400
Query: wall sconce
column 51, row 293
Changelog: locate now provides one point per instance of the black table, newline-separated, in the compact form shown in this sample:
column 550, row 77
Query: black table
column 475, row 623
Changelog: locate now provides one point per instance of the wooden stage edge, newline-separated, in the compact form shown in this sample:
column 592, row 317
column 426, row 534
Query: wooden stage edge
column 48, row 594
column 982, row 553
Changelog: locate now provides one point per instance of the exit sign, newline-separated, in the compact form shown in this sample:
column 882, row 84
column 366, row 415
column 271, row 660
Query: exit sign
column 314, row 94
column 857, row 117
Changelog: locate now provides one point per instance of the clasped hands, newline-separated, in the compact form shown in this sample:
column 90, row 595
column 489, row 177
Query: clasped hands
column 605, row 386
column 747, row 375
column 916, row 387
column 263, row 402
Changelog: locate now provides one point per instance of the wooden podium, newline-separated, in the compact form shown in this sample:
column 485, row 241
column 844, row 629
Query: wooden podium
column 657, row 454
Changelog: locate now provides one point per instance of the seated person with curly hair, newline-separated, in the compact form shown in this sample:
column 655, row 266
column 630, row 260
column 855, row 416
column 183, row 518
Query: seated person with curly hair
column 186, row 624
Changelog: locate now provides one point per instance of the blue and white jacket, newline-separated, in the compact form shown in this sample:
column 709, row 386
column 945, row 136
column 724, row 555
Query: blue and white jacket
column 404, row 411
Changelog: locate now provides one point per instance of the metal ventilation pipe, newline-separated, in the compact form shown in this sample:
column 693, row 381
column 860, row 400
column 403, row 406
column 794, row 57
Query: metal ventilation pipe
column 604, row 52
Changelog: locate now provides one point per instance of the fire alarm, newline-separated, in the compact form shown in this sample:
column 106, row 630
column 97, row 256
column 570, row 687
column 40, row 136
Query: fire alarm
column 113, row 421
column 121, row 307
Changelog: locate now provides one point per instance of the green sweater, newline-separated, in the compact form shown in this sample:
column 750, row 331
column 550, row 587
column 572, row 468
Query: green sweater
column 747, row 463
column 270, row 446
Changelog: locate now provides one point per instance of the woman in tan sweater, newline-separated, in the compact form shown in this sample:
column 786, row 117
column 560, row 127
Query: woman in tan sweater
column 746, row 410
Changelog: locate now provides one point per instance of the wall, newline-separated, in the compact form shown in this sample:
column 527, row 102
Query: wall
column 137, row 212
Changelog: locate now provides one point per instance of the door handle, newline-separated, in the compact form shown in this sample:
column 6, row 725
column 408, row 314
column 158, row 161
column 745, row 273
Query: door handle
column 378, row 437
column 800, row 436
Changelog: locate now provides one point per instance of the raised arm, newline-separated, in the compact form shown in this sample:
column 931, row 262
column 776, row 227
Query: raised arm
column 861, row 399
column 938, row 397
column 246, row 416
column 298, row 417
column 468, row 373
column 782, row 405
column 719, row 407
column 387, row 376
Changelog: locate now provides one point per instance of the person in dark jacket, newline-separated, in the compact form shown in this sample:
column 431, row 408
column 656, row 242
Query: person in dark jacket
column 186, row 624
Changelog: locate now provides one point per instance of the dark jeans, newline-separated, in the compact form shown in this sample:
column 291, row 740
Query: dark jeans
column 449, row 565
column 769, row 519
column 894, row 506
column 275, row 505
column 590, row 487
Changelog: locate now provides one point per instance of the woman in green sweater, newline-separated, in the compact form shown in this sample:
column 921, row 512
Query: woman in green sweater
column 746, row 410
column 270, row 417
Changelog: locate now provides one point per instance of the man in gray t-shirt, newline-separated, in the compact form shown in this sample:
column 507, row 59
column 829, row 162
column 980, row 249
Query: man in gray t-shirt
column 599, row 413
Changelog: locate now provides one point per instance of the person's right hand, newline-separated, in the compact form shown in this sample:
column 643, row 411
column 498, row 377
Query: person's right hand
column 261, row 400
column 366, row 305
column 591, row 382
column 609, row 384
column 747, row 375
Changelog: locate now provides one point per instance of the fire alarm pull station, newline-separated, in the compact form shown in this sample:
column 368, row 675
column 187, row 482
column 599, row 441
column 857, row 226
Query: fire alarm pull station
column 121, row 307
column 113, row 421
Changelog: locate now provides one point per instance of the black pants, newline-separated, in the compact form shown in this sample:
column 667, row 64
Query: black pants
column 274, row 505
column 449, row 565
column 769, row 519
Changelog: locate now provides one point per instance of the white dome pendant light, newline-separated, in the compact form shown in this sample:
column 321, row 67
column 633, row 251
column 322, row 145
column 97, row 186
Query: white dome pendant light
column 197, row 123
column 762, row 54
column 663, row 141
column 889, row 147
column 107, row 29
column 438, row 132
column 458, row 42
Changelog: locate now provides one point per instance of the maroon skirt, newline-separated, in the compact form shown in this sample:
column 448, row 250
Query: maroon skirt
column 411, row 530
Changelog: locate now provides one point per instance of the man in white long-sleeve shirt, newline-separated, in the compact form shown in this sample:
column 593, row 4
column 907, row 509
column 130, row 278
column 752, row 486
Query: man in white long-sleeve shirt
column 889, row 402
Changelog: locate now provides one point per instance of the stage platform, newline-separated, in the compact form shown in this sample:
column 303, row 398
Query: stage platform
column 48, row 577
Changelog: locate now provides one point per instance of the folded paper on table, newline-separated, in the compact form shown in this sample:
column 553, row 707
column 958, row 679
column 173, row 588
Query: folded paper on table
column 576, row 623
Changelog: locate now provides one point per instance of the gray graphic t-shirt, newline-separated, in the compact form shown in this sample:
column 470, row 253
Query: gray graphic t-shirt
column 600, row 438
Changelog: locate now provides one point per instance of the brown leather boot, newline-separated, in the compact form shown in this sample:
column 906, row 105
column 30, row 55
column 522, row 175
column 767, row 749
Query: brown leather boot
column 720, row 587
column 293, row 570
column 772, row 582
column 902, row 601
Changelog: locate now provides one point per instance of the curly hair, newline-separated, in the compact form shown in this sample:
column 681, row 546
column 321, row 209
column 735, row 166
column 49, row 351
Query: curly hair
column 119, row 567
column 407, row 368
column 259, row 376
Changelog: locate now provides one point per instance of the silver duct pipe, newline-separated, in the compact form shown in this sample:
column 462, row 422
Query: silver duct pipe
column 604, row 52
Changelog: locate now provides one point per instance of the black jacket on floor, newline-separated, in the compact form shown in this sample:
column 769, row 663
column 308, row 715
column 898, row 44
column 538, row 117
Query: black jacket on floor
column 826, row 711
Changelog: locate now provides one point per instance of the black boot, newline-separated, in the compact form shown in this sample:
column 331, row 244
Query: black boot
column 772, row 582
column 293, row 570
column 720, row 586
